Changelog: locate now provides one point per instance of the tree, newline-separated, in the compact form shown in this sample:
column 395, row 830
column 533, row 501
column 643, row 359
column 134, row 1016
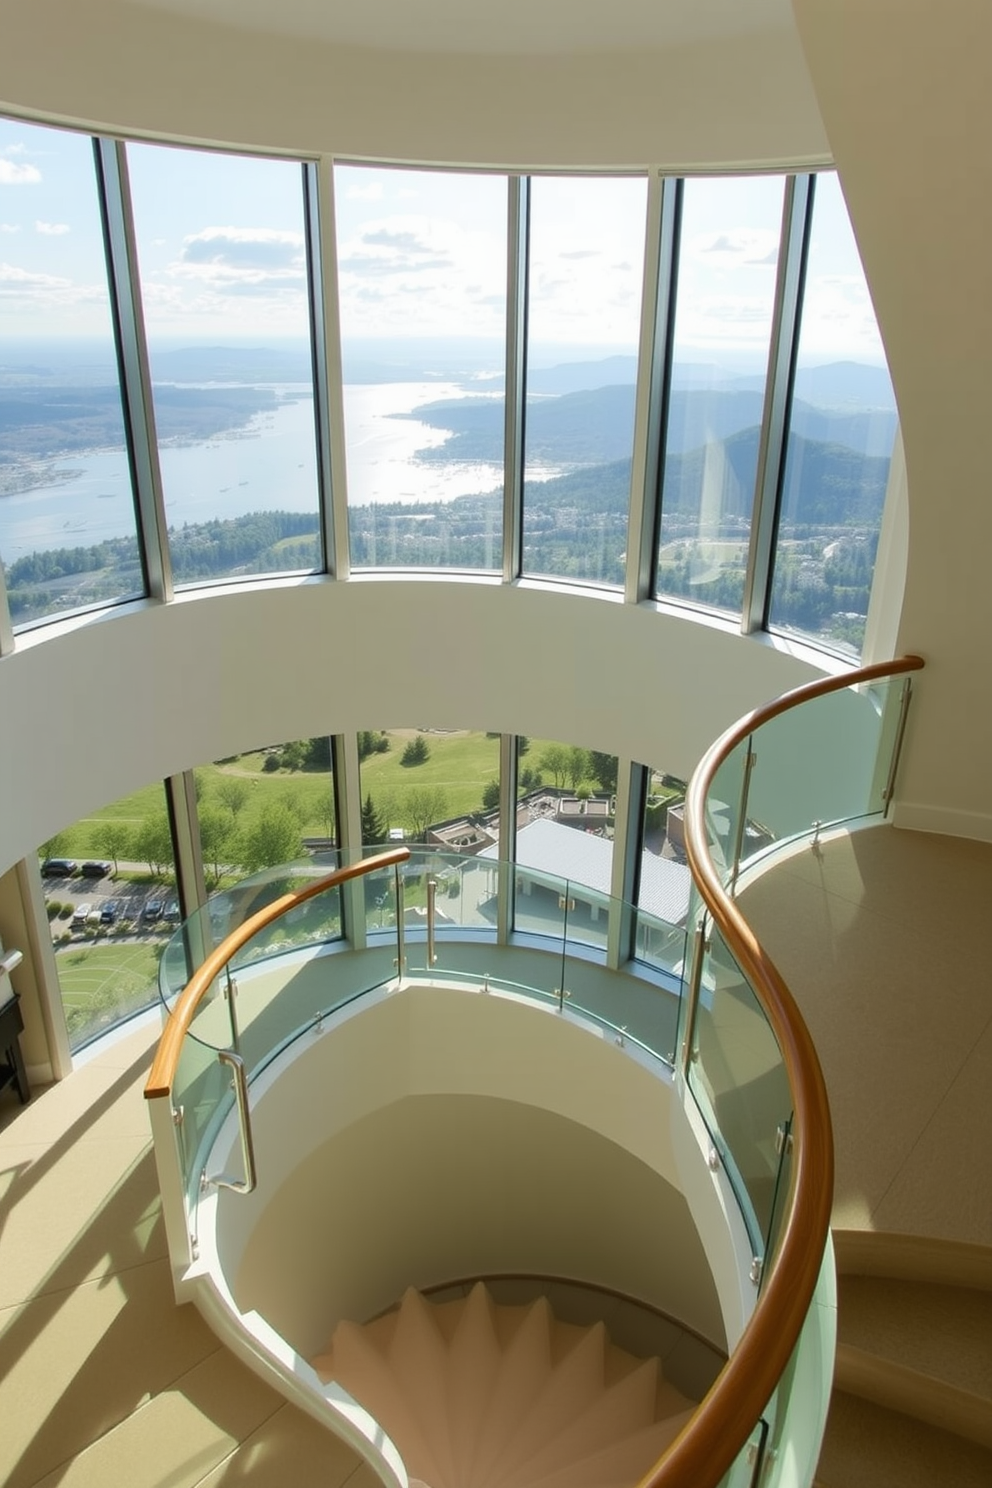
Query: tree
column 417, row 752
column 490, row 795
column 374, row 829
column 578, row 765
column 55, row 846
column 216, row 836
column 318, row 752
column 153, row 844
column 555, row 760
column 114, row 838
column 603, row 769
column 273, row 838
column 423, row 806
column 233, row 792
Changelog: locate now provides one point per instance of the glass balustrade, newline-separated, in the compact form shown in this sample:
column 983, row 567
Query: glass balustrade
column 738, row 1078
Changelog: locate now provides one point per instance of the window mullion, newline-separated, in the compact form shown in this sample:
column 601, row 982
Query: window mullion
column 654, row 362
column 132, row 354
column 797, row 216
column 180, row 798
column 509, row 755
column 627, row 837
column 6, row 627
column 328, row 377
column 517, row 277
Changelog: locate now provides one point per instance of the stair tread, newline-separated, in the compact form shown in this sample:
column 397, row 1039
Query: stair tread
column 868, row 1446
column 944, row 1332
column 476, row 1395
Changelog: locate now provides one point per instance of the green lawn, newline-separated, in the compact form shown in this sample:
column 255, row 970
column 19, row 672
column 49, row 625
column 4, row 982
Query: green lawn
column 460, row 766
column 102, row 982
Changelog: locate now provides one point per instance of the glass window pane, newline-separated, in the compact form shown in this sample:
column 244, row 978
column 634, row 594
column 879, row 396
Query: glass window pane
column 224, row 288
column 438, row 786
column 112, row 905
column 422, row 279
column 264, row 808
column 728, row 255
column 840, row 443
column 566, row 814
column 68, row 531
column 584, row 307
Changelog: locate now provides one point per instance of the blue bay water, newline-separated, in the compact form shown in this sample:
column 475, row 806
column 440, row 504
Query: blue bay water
column 269, row 465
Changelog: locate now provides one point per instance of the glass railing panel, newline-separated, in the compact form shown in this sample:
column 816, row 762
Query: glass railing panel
column 779, row 1208
column 587, row 917
column 723, row 810
column 202, row 1089
column 540, row 904
column 659, row 944
column 816, row 764
column 738, row 1078
column 743, row 1471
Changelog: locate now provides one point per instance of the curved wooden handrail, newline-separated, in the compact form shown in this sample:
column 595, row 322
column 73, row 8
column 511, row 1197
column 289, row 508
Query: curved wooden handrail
column 718, row 1430
column 163, row 1070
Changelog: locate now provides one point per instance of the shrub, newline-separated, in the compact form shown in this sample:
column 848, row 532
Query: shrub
column 271, row 762
column 416, row 752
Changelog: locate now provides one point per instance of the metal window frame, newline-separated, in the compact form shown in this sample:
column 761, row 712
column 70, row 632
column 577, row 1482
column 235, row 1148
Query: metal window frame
column 114, row 193
column 655, row 358
column 517, row 302
column 783, row 351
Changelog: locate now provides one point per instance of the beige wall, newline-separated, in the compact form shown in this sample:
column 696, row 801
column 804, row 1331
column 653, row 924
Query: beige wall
column 746, row 100
column 905, row 89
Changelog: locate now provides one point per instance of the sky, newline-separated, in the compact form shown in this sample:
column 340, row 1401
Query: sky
column 420, row 253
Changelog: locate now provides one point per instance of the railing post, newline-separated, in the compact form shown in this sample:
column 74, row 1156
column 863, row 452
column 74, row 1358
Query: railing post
column 750, row 760
column 400, row 926
column 247, row 1184
column 692, row 996
column 890, row 783
column 230, row 994
column 431, row 911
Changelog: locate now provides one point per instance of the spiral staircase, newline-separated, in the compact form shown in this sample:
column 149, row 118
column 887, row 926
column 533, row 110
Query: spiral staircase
column 481, row 1395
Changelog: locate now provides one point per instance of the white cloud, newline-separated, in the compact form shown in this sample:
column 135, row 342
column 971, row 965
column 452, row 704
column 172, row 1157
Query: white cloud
column 51, row 229
column 12, row 174
column 10, row 227
column 736, row 247
column 242, row 259
column 371, row 192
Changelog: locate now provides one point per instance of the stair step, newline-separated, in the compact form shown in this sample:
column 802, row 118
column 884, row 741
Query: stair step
column 868, row 1446
column 478, row 1395
column 944, row 1332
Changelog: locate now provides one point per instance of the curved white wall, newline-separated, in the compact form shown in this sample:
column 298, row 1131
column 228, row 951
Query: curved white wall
column 439, row 1133
column 744, row 100
column 106, row 703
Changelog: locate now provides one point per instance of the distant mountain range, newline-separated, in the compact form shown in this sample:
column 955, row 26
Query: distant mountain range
column 597, row 425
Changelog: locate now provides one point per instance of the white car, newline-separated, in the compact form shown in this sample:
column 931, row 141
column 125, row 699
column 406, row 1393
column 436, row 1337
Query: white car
column 81, row 914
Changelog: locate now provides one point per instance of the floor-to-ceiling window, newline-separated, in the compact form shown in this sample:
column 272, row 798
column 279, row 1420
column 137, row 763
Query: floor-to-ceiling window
column 422, row 281
column 223, row 259
column 68, row 529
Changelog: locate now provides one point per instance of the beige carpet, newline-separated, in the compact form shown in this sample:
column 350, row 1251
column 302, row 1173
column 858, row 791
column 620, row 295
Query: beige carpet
column 103, row 1381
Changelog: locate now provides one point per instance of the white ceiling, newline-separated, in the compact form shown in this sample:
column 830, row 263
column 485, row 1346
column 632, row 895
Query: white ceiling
column 517, row 27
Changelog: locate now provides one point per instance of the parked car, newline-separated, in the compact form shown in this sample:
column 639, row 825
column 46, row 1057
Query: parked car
column 109, row 911
column 81, row 914
column 172, row 912
column 95, row 869
column 58, row 867
column 152, row 910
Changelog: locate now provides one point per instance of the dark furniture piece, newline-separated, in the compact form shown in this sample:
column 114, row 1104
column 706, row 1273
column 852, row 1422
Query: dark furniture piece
column 11, row 1026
